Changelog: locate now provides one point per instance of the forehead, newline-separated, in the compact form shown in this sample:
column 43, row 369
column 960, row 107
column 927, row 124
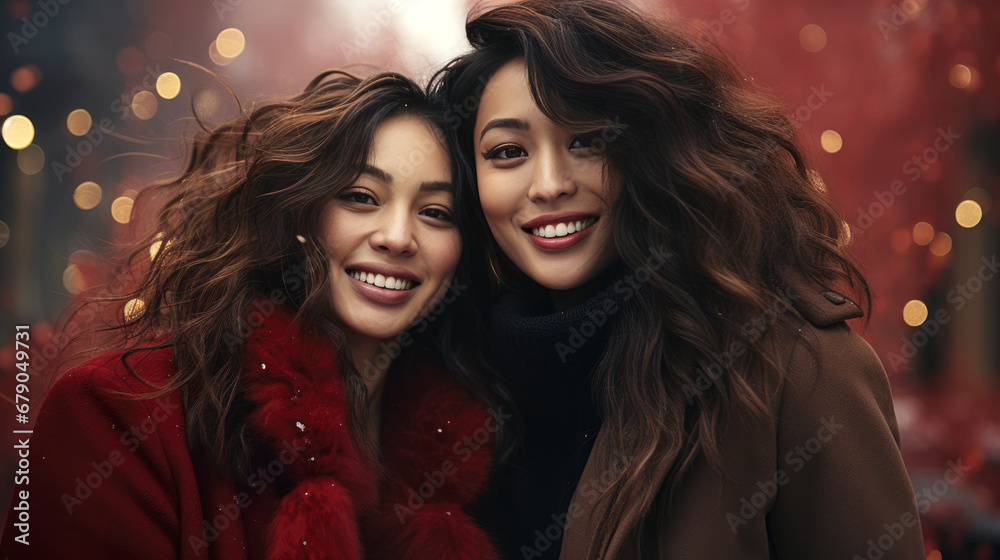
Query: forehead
column 410, row 147
column 507, row 95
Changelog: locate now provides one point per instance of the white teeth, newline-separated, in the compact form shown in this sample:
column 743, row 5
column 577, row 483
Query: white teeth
column 562, row 229
column 390, row 283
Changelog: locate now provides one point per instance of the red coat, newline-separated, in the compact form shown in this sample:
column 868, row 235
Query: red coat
column 112, row 476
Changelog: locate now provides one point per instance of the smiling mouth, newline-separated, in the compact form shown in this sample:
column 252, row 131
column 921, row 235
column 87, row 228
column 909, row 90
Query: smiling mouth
column 561, row 229
column 380, row 281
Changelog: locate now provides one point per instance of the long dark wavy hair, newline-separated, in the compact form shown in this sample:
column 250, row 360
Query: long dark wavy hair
column 707, row 168
column 244, row 219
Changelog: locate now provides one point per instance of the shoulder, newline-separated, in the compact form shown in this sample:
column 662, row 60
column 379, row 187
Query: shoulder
column 826, row 366
column 108, row 374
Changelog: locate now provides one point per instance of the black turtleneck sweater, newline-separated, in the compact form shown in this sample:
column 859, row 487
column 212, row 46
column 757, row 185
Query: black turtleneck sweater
column 547, row 359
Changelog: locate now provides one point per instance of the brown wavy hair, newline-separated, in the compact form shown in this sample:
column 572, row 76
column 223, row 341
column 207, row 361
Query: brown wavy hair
column 244, row 219
column 708, row 169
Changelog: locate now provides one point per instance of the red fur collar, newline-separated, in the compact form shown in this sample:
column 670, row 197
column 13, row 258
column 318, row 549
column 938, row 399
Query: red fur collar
column 438, row 448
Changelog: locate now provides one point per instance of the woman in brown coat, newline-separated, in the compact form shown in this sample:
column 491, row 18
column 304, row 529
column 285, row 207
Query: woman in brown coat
column 664, row 312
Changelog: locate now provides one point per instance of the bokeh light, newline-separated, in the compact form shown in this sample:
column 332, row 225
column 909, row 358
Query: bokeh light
column 831, row 141
column 968, row 214
column 915, row 313
column 133, row 309
column 87, row 195
column 31, row 160
column 144, row 105
column 168, row 85
column 130, row 61
column 941, row 244
column 25, row 78
column 812, row 38
column 4, row 233
column 6, row 104
column 230, row 42
column 18, row 132
column 79, row 122
column 923, row 233
column 121, row 209
column 960, row 76
column 217, row 58
column 73, row 279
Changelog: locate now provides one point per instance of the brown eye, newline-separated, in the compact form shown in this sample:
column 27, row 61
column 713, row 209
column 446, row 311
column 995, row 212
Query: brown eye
column 505, row 152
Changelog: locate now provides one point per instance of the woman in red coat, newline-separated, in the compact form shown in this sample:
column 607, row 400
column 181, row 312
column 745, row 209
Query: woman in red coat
column 279, row 391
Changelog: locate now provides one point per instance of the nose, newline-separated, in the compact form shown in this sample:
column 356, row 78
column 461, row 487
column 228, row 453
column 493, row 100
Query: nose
column 394, row 235
column 552, row 178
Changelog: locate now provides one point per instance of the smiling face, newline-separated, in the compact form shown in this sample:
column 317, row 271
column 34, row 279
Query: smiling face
column 541, row 187
column 390, row 238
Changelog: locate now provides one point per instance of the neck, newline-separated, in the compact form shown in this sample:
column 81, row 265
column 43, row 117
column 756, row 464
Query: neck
column 365, row 352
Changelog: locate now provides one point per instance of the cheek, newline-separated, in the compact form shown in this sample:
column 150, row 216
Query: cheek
column 498, row 199
column 338, row 234
column 445, row 252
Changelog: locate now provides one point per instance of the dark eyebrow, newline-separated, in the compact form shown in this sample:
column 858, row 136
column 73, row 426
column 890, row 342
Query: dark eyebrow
column 517, row 124
column 429, row 186
column 377, row 173
column 436, row 186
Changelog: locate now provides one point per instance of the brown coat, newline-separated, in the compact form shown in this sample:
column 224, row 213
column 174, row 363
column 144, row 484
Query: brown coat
column 824, row 480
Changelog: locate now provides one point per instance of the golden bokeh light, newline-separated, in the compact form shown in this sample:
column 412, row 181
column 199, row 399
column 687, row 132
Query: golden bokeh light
column 831, row 141
column 31, row 160
column 960, row 76
column 87, row 195
column 213, row 53
column 941, row 245
column 133, row 309
column 168, row 85
column 915, row 313
column 144, row 105
column 6, row 104
column 230, row 42
column 968, row 214
column 73, row 279
column 4, row 233
column 18, row 132
column 157, row 245
column 812, row 38
column 121, row 209
column 923, row 233
column 79, row 122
